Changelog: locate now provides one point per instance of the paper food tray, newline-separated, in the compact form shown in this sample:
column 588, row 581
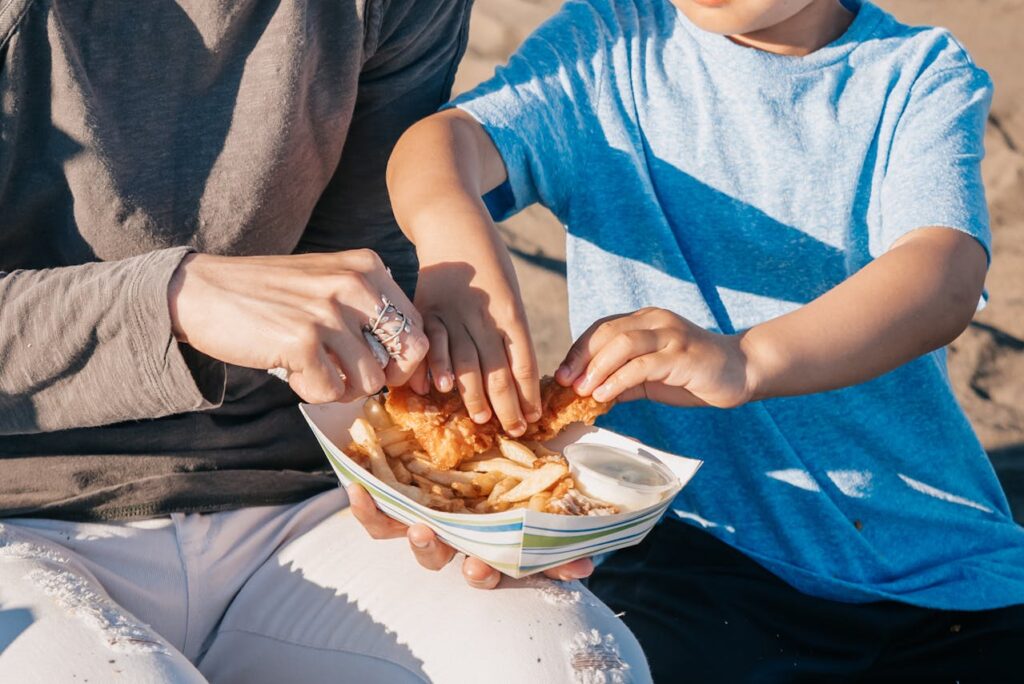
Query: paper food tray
column 518, row 542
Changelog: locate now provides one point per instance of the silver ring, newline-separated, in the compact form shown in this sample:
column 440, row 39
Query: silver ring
column 283, row 374
column 383, row 334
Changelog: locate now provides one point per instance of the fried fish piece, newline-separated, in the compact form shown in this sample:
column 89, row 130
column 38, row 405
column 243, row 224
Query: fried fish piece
column 448, row 435
column 441, row 425
column 561, row 407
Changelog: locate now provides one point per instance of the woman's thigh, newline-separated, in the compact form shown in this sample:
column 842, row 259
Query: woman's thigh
column 57, row 624
column 335, row 605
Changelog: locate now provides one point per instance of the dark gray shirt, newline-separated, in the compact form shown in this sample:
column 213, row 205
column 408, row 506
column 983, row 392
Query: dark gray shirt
column 132, row 133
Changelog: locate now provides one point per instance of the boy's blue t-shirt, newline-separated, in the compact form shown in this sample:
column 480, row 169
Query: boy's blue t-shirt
column 732, row 186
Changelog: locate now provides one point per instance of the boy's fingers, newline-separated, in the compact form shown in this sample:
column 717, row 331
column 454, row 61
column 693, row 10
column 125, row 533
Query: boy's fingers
column 614, row 355
column 526, row 374
column 466, row 363
column 662, row 393
column 438, row 355
column 583, row 349
column 378, row 525
column 502, row 392
column 430, row 552
column 634, row 373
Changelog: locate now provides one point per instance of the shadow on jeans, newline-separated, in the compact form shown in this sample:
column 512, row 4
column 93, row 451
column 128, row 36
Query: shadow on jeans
column 12, row 623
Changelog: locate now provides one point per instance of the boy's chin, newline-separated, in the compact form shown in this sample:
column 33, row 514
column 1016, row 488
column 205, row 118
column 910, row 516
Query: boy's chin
column 735, row 17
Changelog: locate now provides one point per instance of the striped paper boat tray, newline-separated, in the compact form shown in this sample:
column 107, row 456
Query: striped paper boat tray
column 518, row 542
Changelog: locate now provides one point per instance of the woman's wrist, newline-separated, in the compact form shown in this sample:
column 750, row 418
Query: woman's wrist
column 175, row 294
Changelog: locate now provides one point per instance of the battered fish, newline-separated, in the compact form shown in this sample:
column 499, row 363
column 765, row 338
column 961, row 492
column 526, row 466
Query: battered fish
column 449, row 436
column 561, row 407
column 441, row 425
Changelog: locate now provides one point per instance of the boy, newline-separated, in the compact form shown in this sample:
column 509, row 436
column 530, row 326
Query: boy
column 786, row 195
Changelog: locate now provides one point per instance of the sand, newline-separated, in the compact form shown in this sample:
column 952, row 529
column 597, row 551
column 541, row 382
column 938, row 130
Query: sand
column 987, row 362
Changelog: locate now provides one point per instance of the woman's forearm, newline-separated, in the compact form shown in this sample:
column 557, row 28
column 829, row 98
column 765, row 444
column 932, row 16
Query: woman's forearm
column 913, row 299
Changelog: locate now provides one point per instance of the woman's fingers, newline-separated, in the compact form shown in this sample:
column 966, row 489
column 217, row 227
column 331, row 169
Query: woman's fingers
column 316, row 377
column 480, row 575
column 430, row 552
column 574, row 570
column 410, row 345
column 363, row 373
column 378, row 525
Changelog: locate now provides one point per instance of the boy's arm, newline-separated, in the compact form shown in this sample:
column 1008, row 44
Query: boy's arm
column 469, row 298
column 467, row 292
column 913, row 299
column 917, row 295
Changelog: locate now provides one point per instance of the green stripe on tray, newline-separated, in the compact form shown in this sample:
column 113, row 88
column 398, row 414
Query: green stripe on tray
column 538, row 541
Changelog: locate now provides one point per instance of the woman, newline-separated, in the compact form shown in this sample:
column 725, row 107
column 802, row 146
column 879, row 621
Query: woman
column 167, row 515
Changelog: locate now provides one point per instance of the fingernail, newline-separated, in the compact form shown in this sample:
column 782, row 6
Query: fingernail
column 516, row 429
column 602, row 393
column 563, row 372
column 420, row 543
column 481, row 417
column 533, row 417
column 444, row 383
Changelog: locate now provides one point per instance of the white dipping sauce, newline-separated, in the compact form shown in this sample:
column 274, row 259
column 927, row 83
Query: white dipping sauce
column 629, row 480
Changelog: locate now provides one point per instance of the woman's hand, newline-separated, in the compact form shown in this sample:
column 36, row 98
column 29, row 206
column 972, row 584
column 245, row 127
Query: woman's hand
column 433, row 554
column 657, row 355
column 479, row 338
column 304, row 313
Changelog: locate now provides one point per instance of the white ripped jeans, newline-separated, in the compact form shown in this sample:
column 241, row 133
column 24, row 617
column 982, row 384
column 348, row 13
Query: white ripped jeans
column 281, row 594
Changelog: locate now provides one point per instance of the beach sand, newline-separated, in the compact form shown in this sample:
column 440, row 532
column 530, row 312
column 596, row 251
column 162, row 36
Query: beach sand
column 986, row 363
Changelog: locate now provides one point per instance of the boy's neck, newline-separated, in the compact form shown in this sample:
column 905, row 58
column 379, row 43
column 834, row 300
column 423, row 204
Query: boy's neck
column 813, row 27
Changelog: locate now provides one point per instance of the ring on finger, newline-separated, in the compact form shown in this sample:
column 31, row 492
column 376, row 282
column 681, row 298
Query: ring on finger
column 384, row 332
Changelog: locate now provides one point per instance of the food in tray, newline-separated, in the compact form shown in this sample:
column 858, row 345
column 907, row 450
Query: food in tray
column 448, row 435
column 428, row 449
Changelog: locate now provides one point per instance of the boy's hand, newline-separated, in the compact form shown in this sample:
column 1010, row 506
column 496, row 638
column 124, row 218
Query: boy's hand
column 657, row 355
column 479, row 339
column 468, row 294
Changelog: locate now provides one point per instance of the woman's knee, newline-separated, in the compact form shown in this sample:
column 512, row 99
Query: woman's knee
column 49, row 600
column 559, row 631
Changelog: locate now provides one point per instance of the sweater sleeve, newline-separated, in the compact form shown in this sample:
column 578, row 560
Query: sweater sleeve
column 90, row 345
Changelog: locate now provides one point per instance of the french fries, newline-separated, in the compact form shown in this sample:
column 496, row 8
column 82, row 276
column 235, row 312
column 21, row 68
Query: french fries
column 516, row 451
column 535, row 483
column 515, row 474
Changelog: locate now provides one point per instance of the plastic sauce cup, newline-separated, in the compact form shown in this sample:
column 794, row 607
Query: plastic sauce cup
column 631, row 481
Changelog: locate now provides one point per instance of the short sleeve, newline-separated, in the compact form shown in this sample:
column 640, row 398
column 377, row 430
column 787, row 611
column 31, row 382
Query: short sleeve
column 541, row 108
column 933, row 177
column 413, row 50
